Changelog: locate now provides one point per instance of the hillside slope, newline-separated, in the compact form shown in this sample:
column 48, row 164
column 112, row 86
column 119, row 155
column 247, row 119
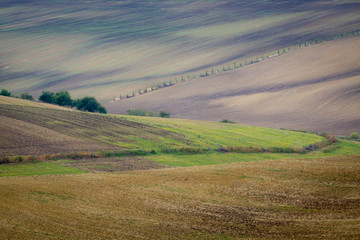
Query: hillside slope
column 107, row 48
column 313, row 88
column 277, row 199
column 33, row 130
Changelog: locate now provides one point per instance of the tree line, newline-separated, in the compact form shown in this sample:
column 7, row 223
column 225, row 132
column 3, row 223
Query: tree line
column 24, row 95
column 63, row 98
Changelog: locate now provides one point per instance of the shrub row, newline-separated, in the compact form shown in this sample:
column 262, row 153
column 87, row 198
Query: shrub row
column 74, row 155
column 141, row 112
column 329, row 139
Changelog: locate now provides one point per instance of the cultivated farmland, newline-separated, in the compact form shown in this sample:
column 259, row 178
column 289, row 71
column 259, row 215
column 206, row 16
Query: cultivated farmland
column 108, row 48
column 173, row 194
column 278, row 199
column 312, row 88
column 33, row 130
column 216, row 170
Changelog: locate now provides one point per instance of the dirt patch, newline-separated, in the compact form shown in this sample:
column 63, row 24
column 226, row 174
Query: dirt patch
column 114, row 164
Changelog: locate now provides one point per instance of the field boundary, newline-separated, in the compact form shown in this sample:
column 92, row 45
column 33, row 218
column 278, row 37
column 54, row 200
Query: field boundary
column 329, row 140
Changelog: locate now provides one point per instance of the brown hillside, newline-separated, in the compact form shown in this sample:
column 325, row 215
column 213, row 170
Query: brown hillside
column 314, row 88
column 34, row 130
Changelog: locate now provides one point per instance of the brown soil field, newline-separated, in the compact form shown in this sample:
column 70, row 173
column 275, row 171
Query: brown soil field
column 33, row 130
column 277, row 199
column 313, row 88
column 106, row 48
column 120, row 164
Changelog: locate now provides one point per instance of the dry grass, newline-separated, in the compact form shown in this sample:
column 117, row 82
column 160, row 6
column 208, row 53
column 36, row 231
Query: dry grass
column 305, row 89
column 280, row 199
column 23, row 102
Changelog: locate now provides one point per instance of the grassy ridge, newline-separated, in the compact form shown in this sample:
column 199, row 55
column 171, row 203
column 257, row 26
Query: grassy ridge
column 215, row 134
column 60, row 131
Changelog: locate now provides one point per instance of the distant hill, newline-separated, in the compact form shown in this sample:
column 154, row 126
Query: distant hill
column 313, row 88
column 108, row 48
column 40, row 130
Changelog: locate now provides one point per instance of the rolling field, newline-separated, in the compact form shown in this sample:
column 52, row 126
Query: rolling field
column 313, row 88
column 278, row 199
column 34, row 130
column 107, row 48
column 167, row 195
column 67, row 174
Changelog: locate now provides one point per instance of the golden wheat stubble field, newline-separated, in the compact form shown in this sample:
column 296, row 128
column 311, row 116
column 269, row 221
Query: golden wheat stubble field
column 313, row 88
column 277, row 199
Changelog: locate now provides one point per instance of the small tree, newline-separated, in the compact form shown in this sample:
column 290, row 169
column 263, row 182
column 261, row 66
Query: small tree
column 5, row 92
column 47, row 97
column 226, row 121
column 164, row 114
column 63, row 99
column 90, row 104
column 102, row 109
column 26, row 96
column 354, row 135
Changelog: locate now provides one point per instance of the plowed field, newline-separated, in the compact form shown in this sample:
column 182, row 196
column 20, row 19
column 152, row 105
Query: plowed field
column 278, row 199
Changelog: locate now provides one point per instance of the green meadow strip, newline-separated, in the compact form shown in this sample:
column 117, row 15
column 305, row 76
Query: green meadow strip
column 341, row 148
column 36, row 168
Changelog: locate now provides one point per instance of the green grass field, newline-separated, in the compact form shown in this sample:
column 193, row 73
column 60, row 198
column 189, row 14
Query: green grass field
column 341, row 148
column 39, row 168
column 215, row 134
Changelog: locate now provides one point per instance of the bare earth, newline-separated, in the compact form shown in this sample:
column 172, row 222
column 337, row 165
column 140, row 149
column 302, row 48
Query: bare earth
column 313, row 88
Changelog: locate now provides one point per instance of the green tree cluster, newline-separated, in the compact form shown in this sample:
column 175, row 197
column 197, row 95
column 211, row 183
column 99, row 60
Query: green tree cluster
column 89, row 104
column 164, row 114
column 354, row 136
column 5, row 92
column 63, row 98
column 26, row 96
